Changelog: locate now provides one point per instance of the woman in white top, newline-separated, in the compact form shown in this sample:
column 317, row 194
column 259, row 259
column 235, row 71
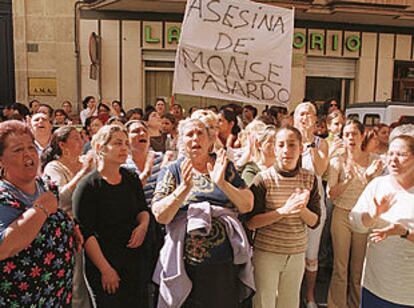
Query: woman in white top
column 89, row 105
column 61, row 162
column 386, row 209
column 314, row 158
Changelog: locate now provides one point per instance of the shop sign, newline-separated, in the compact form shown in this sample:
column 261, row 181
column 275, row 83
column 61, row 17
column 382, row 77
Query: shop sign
column 317, row 41
column 236, row 52
column 42, row 87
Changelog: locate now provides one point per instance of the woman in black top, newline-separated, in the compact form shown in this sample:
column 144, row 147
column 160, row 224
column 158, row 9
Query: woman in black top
column 110, row 205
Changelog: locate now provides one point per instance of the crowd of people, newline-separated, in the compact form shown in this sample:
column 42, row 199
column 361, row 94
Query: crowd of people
column 216, row 207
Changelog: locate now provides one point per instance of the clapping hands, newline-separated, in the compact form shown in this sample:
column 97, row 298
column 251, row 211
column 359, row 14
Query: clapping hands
column 296, row 203
column 217, row 172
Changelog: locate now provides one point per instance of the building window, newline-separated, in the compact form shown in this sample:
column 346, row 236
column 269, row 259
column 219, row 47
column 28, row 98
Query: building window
column 371, row 119
column 403, row 87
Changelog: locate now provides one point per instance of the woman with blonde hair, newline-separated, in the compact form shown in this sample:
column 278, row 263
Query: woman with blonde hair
column 110, row 205
column 264, row 155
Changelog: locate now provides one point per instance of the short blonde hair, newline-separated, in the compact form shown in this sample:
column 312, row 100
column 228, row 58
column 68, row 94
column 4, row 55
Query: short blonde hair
column 104, row 136
column 305, row 104
column 269, row 131
column 208, row 117
column 182, row 127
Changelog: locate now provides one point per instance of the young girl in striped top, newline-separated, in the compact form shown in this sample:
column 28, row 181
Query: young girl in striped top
column 286, row 201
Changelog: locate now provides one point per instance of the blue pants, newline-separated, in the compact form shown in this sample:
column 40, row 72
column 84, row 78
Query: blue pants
column 370, row 300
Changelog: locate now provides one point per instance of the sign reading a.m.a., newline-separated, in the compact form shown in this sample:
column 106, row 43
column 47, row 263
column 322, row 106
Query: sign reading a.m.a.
column 42, row 87
column 235, row 50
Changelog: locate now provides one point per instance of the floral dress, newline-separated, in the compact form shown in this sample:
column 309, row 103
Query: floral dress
column 41, row 274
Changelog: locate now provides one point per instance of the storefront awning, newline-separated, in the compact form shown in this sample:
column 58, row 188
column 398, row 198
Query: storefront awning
column 156, row 6
column 393, row 13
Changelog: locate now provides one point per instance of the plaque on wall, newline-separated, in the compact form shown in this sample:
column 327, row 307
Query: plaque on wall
column 42, row 86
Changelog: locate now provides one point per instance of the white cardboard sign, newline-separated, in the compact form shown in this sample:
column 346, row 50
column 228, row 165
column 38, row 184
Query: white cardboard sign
column 235, row 50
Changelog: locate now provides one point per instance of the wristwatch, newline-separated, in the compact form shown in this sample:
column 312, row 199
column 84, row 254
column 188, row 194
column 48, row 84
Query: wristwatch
column 406, row 234
column 311, row 145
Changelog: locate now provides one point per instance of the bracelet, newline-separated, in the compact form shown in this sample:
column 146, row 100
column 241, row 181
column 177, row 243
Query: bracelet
column 40, row 206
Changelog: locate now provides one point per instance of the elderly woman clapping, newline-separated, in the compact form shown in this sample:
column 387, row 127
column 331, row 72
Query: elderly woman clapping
column 199, row 198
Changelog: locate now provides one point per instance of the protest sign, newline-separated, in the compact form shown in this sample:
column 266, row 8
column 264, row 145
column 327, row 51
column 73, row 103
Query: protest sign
column 235, row 50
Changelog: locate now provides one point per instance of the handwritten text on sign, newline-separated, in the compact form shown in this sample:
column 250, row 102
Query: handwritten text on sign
column 235, row 50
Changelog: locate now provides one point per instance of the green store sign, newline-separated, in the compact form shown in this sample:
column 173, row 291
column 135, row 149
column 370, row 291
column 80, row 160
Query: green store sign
column 316, row 40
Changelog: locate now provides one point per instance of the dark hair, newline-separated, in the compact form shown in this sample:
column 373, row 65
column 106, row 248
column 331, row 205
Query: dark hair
column 231, row 116
column 355, row 122
column 49, row 110
column 147, row 114
column 117, row 102
column 67, row 102
column 213, row 108
column 12, row 127
column 89, row 121
column 149, row 108
column 170, row 118
column 275, row 110
column 160, row 98
column 381, row 125
column 368, row 136
column 115, row 118
column 238, row 109
column 32, row 101
column 53, row 151
column 191, row 110
column 86, row 101
column 62, row 112
column 133, row 111
column 252, row 109
column 21, row 109
column 267, row 119
column 104, row 106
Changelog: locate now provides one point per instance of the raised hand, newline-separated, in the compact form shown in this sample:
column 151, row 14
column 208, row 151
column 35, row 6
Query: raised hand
column 149, row 163
column 230, row 140
column 374, row 169
column 349, row 172
column 49, row 201
column 384, row 204
column 187, row 174
column 218, row 171
column 87, row 161
column 378, row 235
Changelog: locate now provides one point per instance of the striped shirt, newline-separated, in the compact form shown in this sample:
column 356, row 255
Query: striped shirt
column 271, row 189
